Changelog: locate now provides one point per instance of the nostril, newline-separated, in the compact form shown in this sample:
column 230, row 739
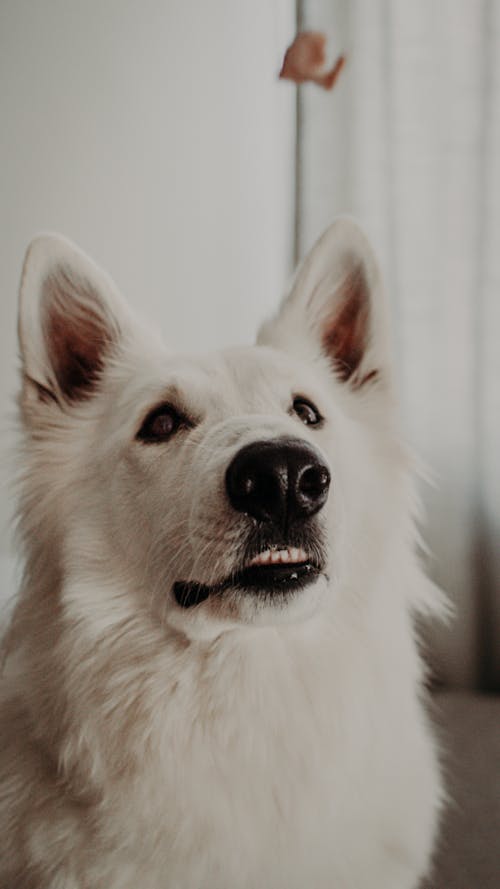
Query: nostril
column 314, row 481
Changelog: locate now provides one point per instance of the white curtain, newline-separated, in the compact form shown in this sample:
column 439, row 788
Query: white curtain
column 409, row 143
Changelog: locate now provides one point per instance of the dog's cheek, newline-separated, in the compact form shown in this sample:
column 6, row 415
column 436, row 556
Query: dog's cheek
column 366, row 504
column 146, row 516
column 217, row 533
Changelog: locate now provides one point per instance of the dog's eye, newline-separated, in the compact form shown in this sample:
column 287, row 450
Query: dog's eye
column 307, row 411
column 160, row 424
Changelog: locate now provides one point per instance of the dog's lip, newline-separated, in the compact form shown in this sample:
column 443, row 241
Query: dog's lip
column 270, row 570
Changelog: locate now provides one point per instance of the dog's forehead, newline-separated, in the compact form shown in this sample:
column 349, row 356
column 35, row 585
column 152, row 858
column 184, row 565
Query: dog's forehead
column 219, row 383
column 249, row 374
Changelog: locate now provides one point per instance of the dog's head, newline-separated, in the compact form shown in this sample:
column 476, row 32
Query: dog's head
column 250, row 485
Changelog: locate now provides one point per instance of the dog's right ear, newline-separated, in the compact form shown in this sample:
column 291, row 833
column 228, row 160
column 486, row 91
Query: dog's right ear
column 71, row 319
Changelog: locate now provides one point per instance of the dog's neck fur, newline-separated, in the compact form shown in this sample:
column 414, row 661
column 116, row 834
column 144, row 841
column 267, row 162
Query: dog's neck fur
column 131, row 671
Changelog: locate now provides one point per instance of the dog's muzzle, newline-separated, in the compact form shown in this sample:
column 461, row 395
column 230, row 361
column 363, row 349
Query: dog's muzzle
column 280, row 484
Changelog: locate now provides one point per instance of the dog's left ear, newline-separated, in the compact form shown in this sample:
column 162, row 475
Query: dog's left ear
column 336, row 308
column 71, row 320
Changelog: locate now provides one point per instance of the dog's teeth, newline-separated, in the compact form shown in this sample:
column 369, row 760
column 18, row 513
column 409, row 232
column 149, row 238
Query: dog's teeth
column 261, row 558
column 291, row 555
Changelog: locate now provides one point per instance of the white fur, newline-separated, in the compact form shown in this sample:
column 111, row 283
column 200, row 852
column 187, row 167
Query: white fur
column 236, row 745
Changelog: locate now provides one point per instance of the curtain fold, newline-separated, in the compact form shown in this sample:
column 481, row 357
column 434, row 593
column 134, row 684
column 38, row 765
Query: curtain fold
column 409, row 143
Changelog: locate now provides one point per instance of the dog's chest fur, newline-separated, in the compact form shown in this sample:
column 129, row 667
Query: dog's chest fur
column 261, row 762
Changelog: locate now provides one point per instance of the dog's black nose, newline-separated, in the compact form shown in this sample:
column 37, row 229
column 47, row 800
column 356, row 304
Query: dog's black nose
column 281, row 480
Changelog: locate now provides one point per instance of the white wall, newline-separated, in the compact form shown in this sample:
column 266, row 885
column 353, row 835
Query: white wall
column 156, row 135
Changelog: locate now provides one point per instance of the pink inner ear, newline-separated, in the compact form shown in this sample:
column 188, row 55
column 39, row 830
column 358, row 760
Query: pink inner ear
column 346, row 330
column 76, row 334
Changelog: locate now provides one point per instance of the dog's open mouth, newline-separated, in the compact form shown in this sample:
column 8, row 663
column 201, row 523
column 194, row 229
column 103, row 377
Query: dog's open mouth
column 268, row 572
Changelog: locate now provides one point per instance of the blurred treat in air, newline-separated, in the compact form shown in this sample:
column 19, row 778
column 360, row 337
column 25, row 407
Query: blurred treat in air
column 306, row 59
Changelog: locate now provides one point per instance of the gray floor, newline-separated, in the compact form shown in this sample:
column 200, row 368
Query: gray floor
column 468, row 852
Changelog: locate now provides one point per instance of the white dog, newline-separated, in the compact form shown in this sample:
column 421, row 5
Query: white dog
column 212, row 678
